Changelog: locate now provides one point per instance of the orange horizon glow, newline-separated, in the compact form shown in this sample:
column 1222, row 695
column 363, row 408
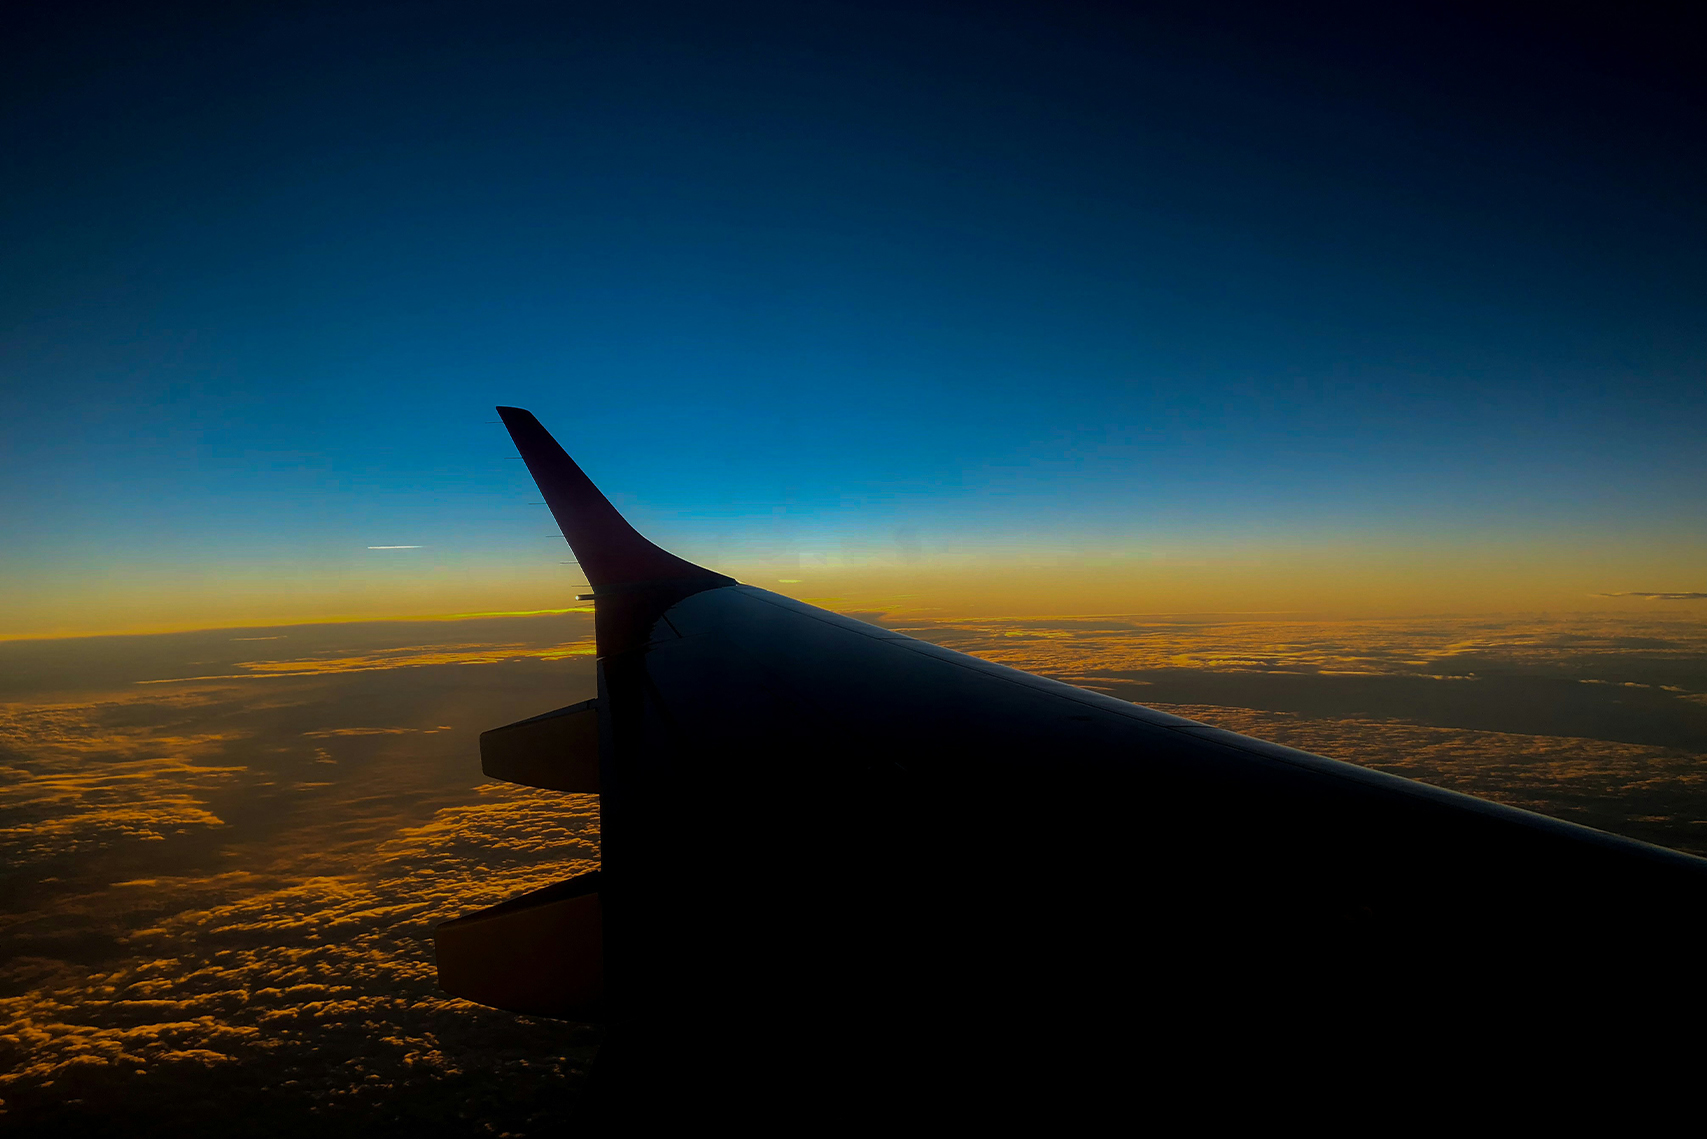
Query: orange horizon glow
column 1299, row 589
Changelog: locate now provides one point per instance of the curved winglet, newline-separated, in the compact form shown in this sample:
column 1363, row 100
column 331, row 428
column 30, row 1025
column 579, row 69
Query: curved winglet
column 611, row 552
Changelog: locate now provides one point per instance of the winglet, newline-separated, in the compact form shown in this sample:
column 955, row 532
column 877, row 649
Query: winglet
column 611, row 552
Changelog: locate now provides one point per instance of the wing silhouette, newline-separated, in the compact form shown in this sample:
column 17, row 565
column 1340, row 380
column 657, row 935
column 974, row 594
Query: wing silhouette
column 846, row 867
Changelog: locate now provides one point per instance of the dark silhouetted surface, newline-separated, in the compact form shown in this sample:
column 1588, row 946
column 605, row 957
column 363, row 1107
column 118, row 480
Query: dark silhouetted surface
column 611, row 552
column 1173, row 875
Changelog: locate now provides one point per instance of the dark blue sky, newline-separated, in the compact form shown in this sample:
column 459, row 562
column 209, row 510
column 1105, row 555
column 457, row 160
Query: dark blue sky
column 868, row 277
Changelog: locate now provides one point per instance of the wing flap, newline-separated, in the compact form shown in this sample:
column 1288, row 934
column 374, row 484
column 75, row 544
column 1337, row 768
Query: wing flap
column 557, row 751
column 540, row 954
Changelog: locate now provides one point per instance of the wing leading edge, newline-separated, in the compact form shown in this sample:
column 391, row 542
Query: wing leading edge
column 822, row 832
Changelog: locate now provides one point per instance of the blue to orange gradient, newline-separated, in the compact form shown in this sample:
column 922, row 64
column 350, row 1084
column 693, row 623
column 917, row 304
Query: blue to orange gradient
column 1006, row 310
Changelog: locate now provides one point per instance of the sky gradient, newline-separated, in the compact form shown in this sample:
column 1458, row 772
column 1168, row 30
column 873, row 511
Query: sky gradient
column 1030, row 309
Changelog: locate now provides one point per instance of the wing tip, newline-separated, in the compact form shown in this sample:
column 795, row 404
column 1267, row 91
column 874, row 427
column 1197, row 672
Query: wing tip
column 611, row 552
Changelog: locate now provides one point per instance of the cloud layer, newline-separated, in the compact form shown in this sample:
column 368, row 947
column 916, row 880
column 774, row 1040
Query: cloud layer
column 224, row 856
column 315, row 997
column 219, row 895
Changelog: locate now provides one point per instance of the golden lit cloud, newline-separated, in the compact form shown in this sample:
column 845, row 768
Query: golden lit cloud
column 384, row 659
column 274, row 979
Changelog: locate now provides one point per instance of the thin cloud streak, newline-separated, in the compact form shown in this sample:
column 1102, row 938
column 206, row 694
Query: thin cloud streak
column 1660, row 596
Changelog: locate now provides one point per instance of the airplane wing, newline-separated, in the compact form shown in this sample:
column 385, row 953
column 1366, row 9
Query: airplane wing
column 841, row 864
